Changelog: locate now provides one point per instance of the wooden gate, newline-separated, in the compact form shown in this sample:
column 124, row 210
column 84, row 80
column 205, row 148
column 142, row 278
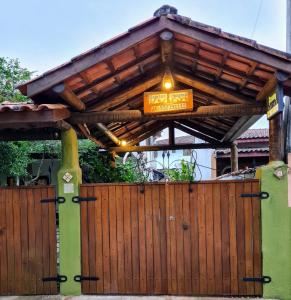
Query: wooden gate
column 27, row 241
column 172, row 238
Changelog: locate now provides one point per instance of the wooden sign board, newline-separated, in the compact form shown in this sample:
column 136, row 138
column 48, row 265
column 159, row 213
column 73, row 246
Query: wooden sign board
column 167, row 102
column 275, row 102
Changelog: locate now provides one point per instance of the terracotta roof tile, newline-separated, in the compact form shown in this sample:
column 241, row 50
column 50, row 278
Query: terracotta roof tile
column 9, row 106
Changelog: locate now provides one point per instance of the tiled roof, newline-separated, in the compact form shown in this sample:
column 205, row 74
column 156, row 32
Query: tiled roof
column 255, row 133
column 244, row 150
column 187, row 139
column 9, row 106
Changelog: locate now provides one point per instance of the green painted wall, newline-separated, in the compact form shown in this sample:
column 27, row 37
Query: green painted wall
column 69, row 214
column 276, row 232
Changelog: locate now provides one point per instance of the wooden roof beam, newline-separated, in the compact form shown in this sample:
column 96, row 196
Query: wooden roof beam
column 169, row 147
column 65, row 93
column 210, row 88
column 231, row 110
column 86, row 132
column 194, row 133
column 278, row 77
column 166, row 41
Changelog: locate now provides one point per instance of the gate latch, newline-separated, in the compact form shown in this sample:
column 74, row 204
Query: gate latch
column 54, row 200
column 77, row 199
column 261, row 195
column 79, row 278
column 264, row 279
column 58, row 278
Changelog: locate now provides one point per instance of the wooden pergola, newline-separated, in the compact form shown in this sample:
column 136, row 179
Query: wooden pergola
column 102, row 89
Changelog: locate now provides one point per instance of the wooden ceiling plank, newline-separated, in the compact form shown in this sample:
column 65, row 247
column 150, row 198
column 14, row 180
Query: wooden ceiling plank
column 128, row 93
column 231, row 46
column 202, row 85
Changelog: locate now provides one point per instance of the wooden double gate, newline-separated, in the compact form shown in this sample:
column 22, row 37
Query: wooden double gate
column 27, row 241
column 198, row 239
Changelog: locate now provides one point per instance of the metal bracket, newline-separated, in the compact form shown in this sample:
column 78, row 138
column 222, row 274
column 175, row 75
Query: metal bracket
column 58, row 278
column 261, row 195
column 54, row 200
column 79, row 278
column 77, row 199
column 263, row 279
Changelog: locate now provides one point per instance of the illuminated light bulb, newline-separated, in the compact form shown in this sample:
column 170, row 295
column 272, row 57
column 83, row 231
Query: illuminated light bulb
column 123, row 143
column 168, row 85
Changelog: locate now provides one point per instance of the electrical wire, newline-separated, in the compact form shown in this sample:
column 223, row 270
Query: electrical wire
column 257, row 18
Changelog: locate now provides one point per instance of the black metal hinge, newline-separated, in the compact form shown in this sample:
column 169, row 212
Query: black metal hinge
column 261, row 195
column 79, row 278
column 78, row 199
column 263, row 280
column 54, row 200
column 58, row 278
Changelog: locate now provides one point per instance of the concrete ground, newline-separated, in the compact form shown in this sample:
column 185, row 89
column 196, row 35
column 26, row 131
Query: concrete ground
column 116, row 298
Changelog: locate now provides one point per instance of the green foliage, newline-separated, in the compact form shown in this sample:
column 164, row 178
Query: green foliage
column 12, row 74
column 15, row 158
column 185, row 173
column 97, row 166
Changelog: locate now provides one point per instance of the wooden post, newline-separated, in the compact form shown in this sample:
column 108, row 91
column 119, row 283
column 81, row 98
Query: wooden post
column 234, row 157
column 276, row 138
column 171, row 135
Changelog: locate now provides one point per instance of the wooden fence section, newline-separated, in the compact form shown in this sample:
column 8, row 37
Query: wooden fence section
column 165, row 239
column 27, row 241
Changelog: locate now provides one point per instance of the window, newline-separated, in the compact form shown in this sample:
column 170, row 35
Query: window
column 173, row 151
column 187, row 152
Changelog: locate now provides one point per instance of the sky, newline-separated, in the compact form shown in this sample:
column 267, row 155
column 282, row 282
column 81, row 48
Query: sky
column 44, row 34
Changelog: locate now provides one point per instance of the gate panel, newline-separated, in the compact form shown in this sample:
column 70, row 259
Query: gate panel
column 27, row 241
column 176, row 238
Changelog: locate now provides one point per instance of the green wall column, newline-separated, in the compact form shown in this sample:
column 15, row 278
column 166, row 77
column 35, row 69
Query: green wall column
column 276, row 231
column 69, row 179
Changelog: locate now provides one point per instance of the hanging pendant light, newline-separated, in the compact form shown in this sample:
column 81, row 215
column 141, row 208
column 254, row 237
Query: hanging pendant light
column 168, row 80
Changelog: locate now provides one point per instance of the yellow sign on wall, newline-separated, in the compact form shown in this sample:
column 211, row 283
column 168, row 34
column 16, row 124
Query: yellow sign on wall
column 167, row 102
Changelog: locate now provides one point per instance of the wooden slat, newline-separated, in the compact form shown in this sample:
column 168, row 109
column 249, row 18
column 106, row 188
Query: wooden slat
column 210, row 240
column 225, row 239
column 134, row 239
column 149, row 239
column 217, row 237
column 142, row 242
column 99, row 241
column 84, row 240
column 187, row 240
column 257, row 237
column 248, row 238
column 202, row 239
column 193, row 198
column 120, row 239
column 105, row 239
column 156, row 241
column 113, row 240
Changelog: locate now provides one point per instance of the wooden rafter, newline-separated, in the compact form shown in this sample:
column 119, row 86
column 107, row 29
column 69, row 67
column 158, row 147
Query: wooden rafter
column 130, row 92
column 64, row 92
column 208, row 87
column 194, row 133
